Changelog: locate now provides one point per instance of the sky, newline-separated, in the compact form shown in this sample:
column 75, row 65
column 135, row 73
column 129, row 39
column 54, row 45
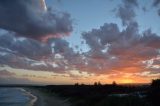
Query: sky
column 84, row 41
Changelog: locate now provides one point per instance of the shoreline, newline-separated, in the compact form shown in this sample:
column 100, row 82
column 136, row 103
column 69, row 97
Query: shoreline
column 41, row 99
column 33, row 98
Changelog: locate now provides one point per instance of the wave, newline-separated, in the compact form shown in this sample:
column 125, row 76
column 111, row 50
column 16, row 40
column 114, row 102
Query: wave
column 30, row 95
column 16, row 97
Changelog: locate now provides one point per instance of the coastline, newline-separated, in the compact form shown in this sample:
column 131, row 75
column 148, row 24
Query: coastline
column 41, row 99
column 31, row 96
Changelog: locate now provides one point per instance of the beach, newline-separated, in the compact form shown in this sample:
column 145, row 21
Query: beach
column 16, row 96
column 43, row 99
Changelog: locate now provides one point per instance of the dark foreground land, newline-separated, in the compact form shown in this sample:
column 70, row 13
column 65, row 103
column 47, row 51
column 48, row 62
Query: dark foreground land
column 105, row 95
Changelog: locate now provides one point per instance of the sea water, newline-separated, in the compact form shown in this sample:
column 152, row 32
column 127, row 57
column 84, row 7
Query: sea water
column 15, row 97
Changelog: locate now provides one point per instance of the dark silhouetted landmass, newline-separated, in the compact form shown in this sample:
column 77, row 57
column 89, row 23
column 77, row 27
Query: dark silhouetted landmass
column 154, row 93
column 104, row 95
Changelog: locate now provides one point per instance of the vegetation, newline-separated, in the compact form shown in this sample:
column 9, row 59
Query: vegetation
column 100, row 95
column 154, row 92
column 106, row 95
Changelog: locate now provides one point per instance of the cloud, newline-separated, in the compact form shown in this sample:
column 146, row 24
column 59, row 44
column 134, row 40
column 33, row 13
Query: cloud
column 112, row 50
column 7, row 77
column 154, row 65
column 32, row 19
column 32, row 76
column 126, row 11
column 156, row 4
column 131, row 2
column 151, row 39
column 156, row 61
column 25, row 53
column 14, row 80
column 62, row 49
column 23, row 47
column 60, row 45
column 159, row 12
column 22, row 52
column 4, row 73
column 124, row 50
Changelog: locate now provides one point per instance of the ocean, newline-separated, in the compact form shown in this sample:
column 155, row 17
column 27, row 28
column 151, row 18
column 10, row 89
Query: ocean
column 16, row 97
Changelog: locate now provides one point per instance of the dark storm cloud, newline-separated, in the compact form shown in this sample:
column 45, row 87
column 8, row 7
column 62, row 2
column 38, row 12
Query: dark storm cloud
column 30, row 19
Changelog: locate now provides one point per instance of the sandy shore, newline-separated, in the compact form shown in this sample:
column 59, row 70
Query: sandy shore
column 47, row 100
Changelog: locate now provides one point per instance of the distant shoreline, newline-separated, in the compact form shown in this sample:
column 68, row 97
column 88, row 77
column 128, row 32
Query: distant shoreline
column 44, row 99
column 97, row 95
column 33, row 97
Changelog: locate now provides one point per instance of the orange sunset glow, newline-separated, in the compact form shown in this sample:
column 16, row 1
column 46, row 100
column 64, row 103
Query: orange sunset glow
column 59, row 42
column 79, row 52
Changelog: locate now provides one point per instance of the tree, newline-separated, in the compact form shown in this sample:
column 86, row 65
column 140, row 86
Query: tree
column 99, row 83
column 114, row 83
column 154, row 93
column 76, row 84
column 95, row 84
